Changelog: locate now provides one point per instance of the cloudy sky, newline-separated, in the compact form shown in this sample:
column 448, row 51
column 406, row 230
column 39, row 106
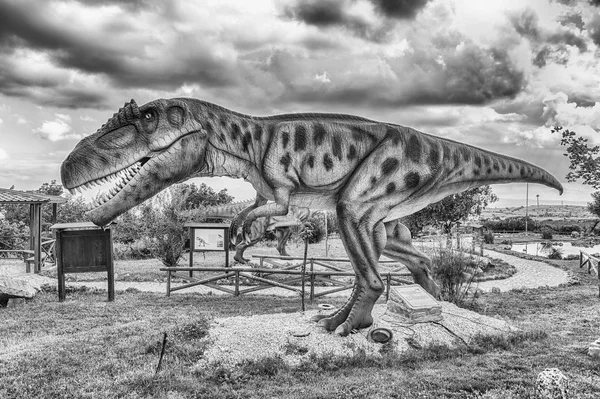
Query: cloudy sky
column 495, row 74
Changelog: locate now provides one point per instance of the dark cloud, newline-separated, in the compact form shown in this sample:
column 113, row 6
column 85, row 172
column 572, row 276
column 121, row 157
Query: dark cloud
column 103, row 51
column 595, row 3
column 581, row 101
column 548, row 46
column 572, row 18
column 593, row 28
column 400, row 9
column 319, row 12
column 334, row 13
column 466, row 74
column 475, row 76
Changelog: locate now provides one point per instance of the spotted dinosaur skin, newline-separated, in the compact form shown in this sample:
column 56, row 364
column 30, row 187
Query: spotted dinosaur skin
column 370, row 173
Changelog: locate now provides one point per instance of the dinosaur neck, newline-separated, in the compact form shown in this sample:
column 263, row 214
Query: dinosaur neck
column 239, row 136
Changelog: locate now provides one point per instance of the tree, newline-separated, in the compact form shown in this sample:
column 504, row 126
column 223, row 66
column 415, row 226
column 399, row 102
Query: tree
column 203, row 195
column 594, row 206
column 452, row 209
column 584, row 160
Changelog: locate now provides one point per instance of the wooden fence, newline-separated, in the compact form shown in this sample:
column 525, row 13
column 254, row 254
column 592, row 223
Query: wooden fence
column 262, row 273
column 592, row 263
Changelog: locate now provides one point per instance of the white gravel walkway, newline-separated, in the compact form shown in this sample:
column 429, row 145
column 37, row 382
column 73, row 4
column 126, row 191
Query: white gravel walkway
column 530, row 274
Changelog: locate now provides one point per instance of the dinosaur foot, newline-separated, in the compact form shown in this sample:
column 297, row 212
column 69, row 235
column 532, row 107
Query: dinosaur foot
column 241, row 259
column 354, row 315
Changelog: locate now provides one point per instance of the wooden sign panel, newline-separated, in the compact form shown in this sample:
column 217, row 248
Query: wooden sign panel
column 81, row 248
column 85, row 251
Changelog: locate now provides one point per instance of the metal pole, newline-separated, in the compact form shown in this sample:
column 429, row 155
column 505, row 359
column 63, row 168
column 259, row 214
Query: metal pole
column 526, row 207
column 326, row 235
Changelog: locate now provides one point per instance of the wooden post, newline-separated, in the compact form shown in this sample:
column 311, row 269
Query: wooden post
column 388, row 285
column 312, row 279
column 36, row 235
column 168, row 283
column 54, row 213
column 304, row 271
column 226, row 238
column 59, row 269
column 192, row 243
column 110, row 268
column 237, row 283
column 580, row 259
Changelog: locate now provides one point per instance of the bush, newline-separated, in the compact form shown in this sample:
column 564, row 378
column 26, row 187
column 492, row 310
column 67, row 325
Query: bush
column 165, row 233
column 555, row 253
column 455, row 274
column 511, row 224
column 488, row 238
column 547, row 235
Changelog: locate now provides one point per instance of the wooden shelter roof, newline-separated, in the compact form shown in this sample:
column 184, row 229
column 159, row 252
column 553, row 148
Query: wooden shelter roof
column 8, row 196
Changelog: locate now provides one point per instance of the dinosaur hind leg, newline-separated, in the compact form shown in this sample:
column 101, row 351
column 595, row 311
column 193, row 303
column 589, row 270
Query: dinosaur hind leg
column 283, row 235
column 399, row 247
column 363, row 235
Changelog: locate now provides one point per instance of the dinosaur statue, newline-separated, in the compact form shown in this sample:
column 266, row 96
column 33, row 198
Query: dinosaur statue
column 281, row 225
column 370, row 173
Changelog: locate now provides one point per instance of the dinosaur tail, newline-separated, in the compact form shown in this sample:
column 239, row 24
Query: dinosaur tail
column 474, row 167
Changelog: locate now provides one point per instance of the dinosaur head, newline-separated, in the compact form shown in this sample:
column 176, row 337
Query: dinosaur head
column 141, row 150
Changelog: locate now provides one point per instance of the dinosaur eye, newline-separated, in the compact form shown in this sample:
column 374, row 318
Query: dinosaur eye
column 148, row 116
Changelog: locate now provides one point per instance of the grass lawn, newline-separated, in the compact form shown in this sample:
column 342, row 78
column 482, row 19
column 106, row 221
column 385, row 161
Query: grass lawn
column 86, row 347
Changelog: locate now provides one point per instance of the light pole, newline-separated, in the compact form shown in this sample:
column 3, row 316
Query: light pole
column 526, row 207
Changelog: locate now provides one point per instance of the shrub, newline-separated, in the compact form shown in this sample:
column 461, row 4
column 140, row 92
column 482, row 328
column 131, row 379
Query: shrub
column 165, row 233
column 455, row 274
column 547, row 234
column 488, row 238
column 555, row 253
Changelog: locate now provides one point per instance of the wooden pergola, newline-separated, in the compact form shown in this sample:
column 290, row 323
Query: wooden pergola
column 35, row 201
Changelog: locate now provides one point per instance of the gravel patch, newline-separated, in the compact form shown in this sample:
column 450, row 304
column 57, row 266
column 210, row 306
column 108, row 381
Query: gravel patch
column 233, row 341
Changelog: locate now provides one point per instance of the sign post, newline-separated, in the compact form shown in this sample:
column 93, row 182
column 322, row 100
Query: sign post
column 208, row 237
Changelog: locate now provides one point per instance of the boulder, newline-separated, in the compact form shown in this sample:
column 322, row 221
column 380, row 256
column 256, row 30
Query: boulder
column 15, row 288
column 551, row 384
column 594, row 350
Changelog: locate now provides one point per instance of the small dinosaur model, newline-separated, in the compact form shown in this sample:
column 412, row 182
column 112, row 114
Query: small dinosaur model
column 370, row 173
column 281, row 225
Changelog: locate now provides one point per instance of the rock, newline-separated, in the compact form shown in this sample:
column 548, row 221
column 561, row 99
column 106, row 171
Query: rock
column 594, row 350
column 551, row 384
column 15, row 302
column 496, row 290
column 412, row 304
column 16, row 288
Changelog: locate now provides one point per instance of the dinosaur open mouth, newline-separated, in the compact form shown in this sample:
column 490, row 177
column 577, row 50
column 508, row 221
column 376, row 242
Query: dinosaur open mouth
column 103, row 189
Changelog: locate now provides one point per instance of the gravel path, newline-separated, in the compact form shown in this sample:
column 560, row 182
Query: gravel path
column 530, row 274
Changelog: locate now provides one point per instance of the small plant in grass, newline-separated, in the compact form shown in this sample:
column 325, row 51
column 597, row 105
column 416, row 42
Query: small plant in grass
column 555, row 253
column 546, row 234
column 455, row 274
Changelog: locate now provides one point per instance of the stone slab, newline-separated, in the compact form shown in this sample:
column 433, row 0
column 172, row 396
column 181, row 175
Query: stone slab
column 412, row 304
column 16, row 288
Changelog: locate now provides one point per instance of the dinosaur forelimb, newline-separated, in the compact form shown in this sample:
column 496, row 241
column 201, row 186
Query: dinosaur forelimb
column 278, row 208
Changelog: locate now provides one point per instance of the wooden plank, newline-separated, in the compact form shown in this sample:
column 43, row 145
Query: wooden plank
column 270, row 282
column 332, row 291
